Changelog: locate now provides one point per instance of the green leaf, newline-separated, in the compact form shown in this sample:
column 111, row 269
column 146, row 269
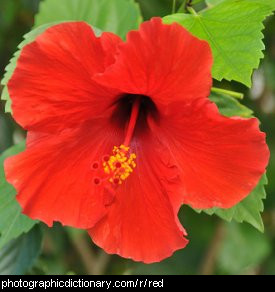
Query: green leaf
column 233, row 30
column 12, row 222
column 270, row 3
column 6, row 97
column 18, row 256
column 213, row 2
column 248, row 210
column 117, row 16
column 229, row 106
column 243, row 249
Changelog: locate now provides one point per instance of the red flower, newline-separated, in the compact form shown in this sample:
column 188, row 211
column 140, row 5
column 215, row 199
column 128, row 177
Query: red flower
column 121, row 134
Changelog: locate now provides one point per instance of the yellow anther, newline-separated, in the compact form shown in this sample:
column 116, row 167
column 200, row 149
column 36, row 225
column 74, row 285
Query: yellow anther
column 120, row 165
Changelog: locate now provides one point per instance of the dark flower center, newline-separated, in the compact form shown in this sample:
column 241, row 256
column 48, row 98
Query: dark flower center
column 131, row 113
column 125, row 106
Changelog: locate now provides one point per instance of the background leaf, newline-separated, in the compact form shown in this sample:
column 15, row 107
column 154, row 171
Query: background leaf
column 229, row 106
column 213, row 2
column 233, row 30
column 270, row 3
column 242, row 250
column 18, row 256
column 12, row 222
column 117, row 16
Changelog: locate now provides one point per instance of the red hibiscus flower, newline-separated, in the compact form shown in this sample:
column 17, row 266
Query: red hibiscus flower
column 120, row 134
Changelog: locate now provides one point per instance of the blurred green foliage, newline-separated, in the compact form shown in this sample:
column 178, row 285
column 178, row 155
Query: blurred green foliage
column 216, row 247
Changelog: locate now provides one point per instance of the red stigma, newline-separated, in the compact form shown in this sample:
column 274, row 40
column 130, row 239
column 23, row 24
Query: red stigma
column 106, row 158
column 95, row 165
column 118, row 165
column 116, row 181
column 97, row 181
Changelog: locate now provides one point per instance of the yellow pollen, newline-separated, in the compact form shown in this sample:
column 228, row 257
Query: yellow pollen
column 120, row 165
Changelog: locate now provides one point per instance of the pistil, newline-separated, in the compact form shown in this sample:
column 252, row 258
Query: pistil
column 132, row 121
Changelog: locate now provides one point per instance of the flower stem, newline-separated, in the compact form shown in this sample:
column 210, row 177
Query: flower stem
column 102, row 262
column 83, row 248
column 235, row 94
column 209, row 261
column 182, row 7
column 174, row 6
column 191, row 10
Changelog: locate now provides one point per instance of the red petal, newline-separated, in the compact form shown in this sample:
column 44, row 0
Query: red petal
column 220, row 159
column 164, row 62
column 54, row 176
column 110, row 42
column 141, row 223
column 52, row 87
